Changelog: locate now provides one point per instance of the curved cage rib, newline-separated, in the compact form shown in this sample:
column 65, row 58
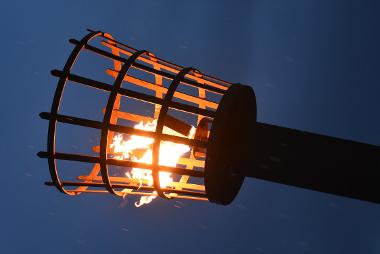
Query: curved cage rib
column 55, row 108
column 166, row 100
column 107, row 118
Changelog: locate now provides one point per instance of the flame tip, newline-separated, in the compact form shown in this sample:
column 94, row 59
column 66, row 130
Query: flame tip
column 139, row 149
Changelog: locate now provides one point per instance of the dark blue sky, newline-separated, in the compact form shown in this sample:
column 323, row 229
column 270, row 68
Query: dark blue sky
column 313, row 64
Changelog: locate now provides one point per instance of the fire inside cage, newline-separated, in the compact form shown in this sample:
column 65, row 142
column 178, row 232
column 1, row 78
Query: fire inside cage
column 197, row 139
column 161, row 154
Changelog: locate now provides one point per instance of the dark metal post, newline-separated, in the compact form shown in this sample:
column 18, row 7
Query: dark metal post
column 315, row 162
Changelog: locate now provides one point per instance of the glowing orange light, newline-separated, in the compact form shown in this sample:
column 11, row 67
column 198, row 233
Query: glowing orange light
column 139, row 149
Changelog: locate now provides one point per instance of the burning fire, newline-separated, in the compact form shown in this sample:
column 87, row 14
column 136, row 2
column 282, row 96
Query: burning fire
column 139, row 149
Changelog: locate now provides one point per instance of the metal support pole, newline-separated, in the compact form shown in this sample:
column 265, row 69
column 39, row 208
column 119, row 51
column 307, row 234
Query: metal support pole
column 315, row 162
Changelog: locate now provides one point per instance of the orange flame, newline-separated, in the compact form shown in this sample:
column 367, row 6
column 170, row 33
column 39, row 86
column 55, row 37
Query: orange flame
column 139, row 149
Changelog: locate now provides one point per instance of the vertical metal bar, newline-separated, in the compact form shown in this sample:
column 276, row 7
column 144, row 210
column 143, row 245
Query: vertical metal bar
column 117, row 66
column 55, row 107
column 159, row 128
column 201, row 105
column 107, row 118
column 158, row 83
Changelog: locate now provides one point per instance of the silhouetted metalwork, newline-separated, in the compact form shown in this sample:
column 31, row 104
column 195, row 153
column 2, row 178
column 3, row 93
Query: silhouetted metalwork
column 228, row 144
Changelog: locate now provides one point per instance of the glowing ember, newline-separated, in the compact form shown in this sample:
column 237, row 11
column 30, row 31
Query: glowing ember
column 139, row 149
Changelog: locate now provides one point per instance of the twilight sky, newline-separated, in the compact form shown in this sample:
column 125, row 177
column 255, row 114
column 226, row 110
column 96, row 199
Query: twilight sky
column 313, row 64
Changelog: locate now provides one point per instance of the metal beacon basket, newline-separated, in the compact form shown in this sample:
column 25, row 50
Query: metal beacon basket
column 197, row 131
column 197, row 138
